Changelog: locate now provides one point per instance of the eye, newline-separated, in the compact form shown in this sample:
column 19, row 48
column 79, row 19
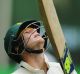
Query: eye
column 26, row 32
column 29, row 30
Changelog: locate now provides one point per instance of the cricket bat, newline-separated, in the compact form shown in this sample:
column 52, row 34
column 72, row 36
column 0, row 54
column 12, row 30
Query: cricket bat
column 55, row 34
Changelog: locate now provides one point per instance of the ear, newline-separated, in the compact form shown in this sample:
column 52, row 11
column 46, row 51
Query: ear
column 16, row 46
column 13, row 46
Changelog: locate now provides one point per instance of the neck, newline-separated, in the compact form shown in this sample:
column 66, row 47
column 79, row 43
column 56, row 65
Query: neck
column 35, row 60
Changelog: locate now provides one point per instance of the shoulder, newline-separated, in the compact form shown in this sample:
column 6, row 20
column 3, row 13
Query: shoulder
column 55, row 68
column 20, row 71
column 54, row 64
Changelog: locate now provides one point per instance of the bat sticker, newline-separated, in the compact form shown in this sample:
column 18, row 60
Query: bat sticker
column 67, row 61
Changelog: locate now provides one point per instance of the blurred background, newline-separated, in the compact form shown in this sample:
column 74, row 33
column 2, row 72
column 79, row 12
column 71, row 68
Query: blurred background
column 12, row 11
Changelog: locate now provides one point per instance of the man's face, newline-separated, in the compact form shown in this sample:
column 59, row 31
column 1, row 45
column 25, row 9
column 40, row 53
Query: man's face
column 32, row 39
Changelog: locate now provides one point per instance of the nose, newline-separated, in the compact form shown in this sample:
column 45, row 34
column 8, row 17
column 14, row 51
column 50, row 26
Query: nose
column 35, row 31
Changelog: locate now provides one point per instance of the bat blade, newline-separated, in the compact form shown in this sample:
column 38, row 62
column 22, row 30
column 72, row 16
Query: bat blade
column 55, row 34
column 52, row 26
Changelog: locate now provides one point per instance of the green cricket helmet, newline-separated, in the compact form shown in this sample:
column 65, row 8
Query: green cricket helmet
column 11, row 40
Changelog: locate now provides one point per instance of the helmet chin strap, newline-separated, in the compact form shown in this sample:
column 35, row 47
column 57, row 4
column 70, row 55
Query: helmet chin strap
column 29, row 50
